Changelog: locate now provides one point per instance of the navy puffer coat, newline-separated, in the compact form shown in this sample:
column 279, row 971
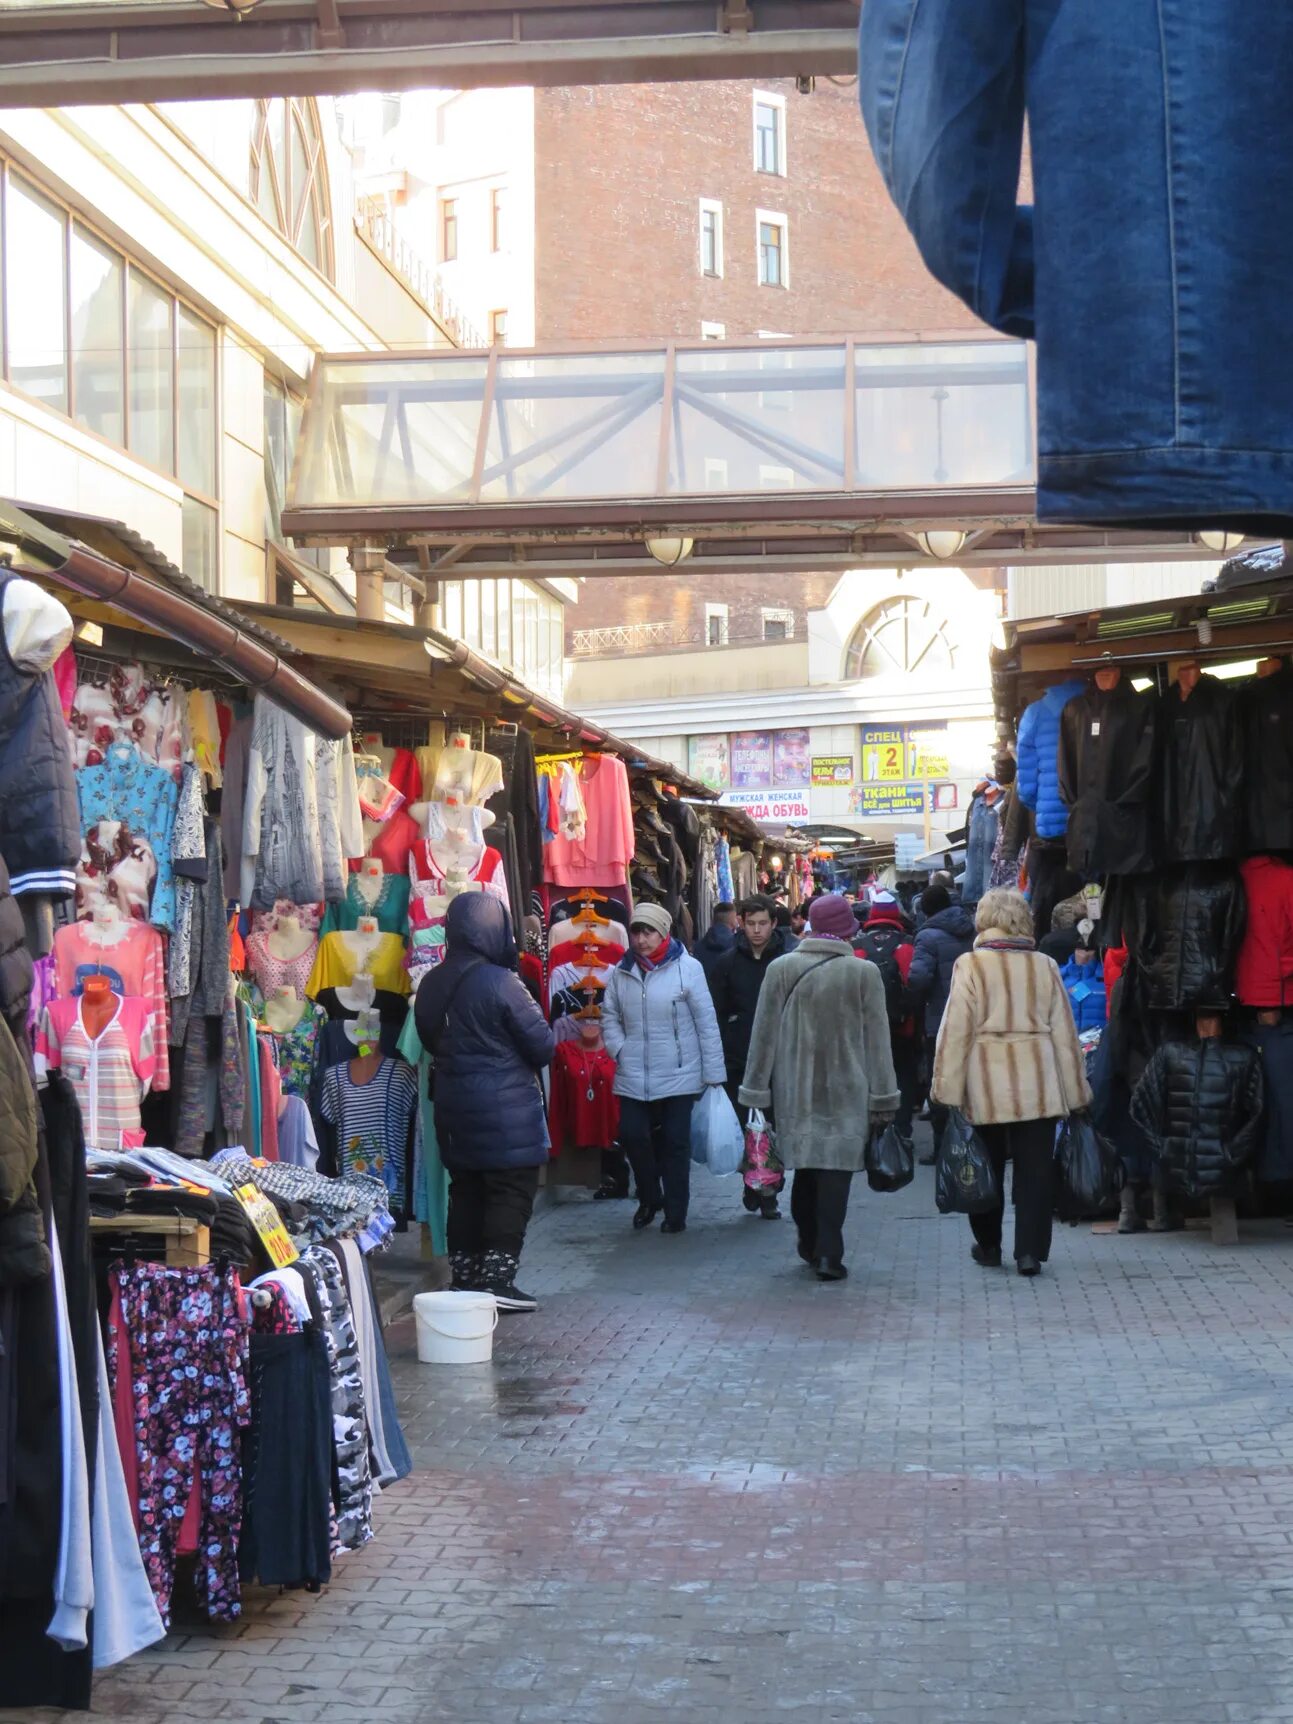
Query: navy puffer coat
column 488, row 1043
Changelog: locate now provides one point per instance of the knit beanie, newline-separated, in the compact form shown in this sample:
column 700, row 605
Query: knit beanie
column 653, row 916
column 832, row 917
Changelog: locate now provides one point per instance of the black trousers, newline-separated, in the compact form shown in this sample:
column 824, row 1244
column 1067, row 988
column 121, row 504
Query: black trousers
column 657, row 1138
column 1031, row 1146
column 287, row 1463
column 819, row 1201
column 906, row 1065
column 490, row 1211
column 937, row 1112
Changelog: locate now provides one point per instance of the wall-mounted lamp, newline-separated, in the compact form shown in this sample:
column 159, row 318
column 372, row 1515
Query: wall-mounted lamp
column 942, row 542
column 1219, row 542
column 671, row 550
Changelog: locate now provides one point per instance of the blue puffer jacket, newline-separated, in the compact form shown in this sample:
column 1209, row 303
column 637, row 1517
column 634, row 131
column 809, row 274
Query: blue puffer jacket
column 1037, row 752
column 1084, row 985
column 488, row 1041
column 938, row 945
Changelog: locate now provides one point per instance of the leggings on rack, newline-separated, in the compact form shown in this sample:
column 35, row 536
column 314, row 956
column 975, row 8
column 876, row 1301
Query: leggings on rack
column 188, row 1351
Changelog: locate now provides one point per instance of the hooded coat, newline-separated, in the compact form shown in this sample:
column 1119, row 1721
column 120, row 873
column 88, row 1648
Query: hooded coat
column 714, row 945
column 1201, row 805
column 1036, row 752
column 939, row 944
column 660, row 1028
column 1107, row 758
column 735, row 983
column 820, row 1055
column 1185, row 927
column 1264, row 967
column 488, row 1043
column 1200, row 1105
column 1084, row 985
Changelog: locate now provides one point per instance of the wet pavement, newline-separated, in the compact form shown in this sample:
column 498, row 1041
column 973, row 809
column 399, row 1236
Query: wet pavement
column 699, row 1485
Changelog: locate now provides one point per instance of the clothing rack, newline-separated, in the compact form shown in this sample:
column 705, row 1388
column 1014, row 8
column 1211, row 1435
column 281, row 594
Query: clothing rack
column 97, row 668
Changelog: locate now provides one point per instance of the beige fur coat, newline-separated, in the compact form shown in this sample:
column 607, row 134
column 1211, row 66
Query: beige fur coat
column 1008, row 1047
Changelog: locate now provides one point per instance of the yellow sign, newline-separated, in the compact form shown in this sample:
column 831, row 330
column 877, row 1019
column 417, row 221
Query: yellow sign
column 268, row 1224
column 833, row 769
column 929, row 753
column 884, row 754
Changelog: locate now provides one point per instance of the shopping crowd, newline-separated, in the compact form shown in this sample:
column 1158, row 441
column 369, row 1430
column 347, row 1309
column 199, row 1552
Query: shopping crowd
column 822, row 1028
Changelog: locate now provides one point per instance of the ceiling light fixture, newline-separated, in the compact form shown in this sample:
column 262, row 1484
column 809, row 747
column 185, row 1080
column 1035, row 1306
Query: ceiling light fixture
column 671, row 550
column 236, row 8
column 1218, row 541
column 942, row 542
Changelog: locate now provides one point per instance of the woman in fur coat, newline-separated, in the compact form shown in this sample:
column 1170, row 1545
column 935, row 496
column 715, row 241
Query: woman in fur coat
column 1008, row 1057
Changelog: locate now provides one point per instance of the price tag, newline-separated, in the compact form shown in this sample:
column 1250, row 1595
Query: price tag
column 268, row 1224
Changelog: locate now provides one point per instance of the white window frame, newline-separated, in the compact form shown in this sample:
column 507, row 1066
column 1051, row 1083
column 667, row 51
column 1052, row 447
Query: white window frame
column 714, row 207
column 713, row 331
column 716, row 613
column 772, row 218
column 776, row 478
column 770, row 99
column 717, row 477
column 777, row 614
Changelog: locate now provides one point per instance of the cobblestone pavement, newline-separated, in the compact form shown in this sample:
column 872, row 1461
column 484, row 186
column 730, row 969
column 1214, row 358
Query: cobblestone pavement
column 698, row 1485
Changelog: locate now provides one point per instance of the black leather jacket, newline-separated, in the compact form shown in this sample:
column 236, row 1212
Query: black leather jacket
column 1185, row 928
column 1266, row 707
column 1200, row 742
column 1200, row 1104
column 1106, row 775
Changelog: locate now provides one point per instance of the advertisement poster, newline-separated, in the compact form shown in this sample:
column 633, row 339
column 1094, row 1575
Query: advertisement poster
column 770, row 807
column 707, row 760
column 884, row 754
column 887, row 799
column 751, row 758
column 790, row 759
column 833, row 769
column 928, row 752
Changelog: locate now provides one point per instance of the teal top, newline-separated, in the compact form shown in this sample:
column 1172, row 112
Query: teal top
column 391, row 907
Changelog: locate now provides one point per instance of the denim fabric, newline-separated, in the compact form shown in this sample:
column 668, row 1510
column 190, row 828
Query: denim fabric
column 1153, row 270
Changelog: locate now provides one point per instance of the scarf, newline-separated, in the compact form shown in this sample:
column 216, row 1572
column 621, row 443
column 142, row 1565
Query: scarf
column 663, row 955
column 994, row 940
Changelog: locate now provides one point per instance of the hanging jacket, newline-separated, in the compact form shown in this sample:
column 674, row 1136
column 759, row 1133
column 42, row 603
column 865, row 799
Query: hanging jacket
column 1185, row 927
column 938, row 945
column 661, row 1029
column 1084, row 985
column 1274, row 1043
column 40, row 821
column 488, row 1042
column 24, row 1255
column 1200, row 1105
column 1106, row 775
column 981, row 839
column 1266, row 713
column 1037, row 751
column 1151, row 124
column 1200, row 781
column 735, row 983
column 1264, row 967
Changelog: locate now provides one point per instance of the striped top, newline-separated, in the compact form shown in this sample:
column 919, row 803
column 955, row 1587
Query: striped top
column 110, row 1073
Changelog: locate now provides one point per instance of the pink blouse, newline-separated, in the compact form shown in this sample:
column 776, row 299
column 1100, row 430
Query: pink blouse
column 602, row 856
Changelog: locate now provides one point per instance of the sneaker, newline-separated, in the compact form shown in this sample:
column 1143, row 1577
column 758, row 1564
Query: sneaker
column 509, row 1297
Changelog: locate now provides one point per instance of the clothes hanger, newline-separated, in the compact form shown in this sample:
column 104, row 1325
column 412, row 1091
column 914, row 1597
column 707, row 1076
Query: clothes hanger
column 589, row 918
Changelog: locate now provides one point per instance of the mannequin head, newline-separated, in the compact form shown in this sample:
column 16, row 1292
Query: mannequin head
column 590, row 1033
column 1108, row 679
column 1187, row 677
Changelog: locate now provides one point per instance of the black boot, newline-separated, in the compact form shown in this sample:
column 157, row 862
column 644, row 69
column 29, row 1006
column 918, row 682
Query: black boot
column 466, row 1269
column 500, row 1280
column 751, row 1199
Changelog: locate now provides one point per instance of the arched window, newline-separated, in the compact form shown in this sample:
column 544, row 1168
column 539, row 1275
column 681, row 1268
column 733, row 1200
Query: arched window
column 289, row 176
column 903, row 636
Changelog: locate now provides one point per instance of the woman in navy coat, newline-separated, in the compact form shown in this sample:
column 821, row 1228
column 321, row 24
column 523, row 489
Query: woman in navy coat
column 488, row 1042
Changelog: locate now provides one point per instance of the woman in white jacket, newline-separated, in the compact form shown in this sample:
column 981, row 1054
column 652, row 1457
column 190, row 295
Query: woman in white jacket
column 658, row 1023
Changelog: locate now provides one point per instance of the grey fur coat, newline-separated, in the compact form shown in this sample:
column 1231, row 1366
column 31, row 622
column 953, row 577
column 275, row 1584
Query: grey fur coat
column 819, row 1055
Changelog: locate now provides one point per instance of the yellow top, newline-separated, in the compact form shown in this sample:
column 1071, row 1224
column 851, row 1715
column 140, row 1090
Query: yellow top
column 335, row 965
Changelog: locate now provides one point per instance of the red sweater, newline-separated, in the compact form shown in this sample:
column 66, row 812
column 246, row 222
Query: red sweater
column 577, row 1120
column 1264, row 970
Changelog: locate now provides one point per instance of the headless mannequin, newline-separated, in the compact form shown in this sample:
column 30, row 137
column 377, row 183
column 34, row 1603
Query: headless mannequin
column 107, row 927
column 37, row 628
column 456, row 854
column 98, row 1005
column 287, row 939
column 365, row 1032
column 362, row 942
column 460, row 769
column 284, row 1010
column 370, row 879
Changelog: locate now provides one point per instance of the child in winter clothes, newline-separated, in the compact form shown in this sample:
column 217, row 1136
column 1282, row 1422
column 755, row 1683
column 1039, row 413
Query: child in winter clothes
column 1083, row 979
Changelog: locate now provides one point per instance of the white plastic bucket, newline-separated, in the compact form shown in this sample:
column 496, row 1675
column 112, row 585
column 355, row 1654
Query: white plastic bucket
column 455, row 1328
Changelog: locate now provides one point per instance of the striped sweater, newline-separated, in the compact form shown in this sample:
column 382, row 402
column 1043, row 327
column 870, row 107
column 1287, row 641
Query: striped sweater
column 1008, row 1049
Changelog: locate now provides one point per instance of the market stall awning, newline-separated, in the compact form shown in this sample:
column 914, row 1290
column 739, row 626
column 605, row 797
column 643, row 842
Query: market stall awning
column 171, row 607
column 53, row 52
column 807, row 453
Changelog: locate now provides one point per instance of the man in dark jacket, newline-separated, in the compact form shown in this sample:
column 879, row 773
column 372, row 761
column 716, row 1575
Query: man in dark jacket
column 886, row 942
column 717, row 941
column 488, row 1043
column 947, row 932
column 735, row 983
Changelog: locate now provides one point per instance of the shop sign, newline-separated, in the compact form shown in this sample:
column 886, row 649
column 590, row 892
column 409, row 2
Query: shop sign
column 884, row 754
column 268, row 1224
column 928, row 752
column 887, row 799
column 751, row 760
column 833, row 769
column 707, row 761
column 770, row 806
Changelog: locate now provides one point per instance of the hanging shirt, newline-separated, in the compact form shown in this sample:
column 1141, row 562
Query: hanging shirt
column 387, row 900
column 294, row 1050
column 373, row 1122
column 134, row 966
column 125, row 787
column 584, row 1112
column 271, row 972
column 297, row 1143
column 127, row 707
column 336, row 965
column 117, row 866
column 109, row 1073
column 602, row 855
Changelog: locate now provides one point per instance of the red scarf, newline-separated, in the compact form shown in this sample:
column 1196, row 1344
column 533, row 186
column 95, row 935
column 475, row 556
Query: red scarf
column 663, row 954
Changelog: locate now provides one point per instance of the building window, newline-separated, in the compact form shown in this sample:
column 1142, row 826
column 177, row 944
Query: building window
column 289, row 176
column 711, row 237
column 773, row 478
column 715, row 625
column 774, row 261
column 90, row 335
column 769, row 133
column 283, row 412
column 778, row 625
column 498, row 219
column 448, row 230
column 900, row 638
column 716, row 473
column 498, row 328
column 713, row 332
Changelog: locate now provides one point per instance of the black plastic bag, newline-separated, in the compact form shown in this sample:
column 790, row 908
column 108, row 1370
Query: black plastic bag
column 1089, row 1173
column 890, row 1160
column 965, row 1182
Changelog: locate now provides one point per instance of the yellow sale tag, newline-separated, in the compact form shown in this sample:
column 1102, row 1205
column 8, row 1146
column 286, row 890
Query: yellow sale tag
column 268, row 1224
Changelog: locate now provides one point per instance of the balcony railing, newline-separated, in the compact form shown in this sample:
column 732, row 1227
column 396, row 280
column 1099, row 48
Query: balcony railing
column 416, row 273
column 645, row 637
